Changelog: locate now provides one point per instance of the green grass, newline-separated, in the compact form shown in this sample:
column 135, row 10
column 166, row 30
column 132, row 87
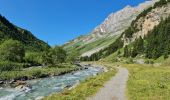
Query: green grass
column 71, row 46
column 86, row 88
column 36, row 72
column 148, row 83
column 103, row 42
column 82, row 47
column 166, row 62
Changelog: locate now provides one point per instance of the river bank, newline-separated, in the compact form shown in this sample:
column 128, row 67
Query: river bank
column 43, row 87
column 15, row 78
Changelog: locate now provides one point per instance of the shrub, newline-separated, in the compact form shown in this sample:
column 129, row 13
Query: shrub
column 149, row 61
column 72, row 57
column 12, row 50
column 34, row 58
column 54, row 56
column 37, row 73
column 58, row 55
column 130, row 61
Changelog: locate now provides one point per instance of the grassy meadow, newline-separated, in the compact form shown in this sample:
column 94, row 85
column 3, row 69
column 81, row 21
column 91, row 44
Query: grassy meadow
column 148, row 83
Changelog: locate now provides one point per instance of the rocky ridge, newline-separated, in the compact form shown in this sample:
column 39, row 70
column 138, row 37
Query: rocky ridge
column 117, row 22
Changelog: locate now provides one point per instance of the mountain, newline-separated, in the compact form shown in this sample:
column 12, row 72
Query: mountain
column 150, row 32
column 117, row 22
column 146, row 22
column 147, row 35
column 10, row 31
column 108, row 31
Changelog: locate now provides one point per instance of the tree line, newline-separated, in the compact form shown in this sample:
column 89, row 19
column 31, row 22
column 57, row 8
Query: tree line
column 13, row 54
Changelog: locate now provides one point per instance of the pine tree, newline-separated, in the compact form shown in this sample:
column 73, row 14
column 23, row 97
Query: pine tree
column 140, row 45
column 126, row 51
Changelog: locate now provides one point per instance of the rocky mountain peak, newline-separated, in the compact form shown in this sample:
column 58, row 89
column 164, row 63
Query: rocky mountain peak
column 118, row 21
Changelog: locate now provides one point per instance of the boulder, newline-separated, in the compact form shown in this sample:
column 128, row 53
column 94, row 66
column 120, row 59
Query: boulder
column 1, row 82
column 23, row 88
column 20, row 83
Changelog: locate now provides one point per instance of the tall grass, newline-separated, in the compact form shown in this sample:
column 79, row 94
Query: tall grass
column 148, row 83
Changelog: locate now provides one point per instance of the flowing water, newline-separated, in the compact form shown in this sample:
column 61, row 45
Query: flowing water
column 43, row 87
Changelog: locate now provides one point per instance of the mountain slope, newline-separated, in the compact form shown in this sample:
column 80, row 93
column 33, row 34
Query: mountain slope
column 143, row 35
column 10, row 31
column 146, row 22
column 112, row 26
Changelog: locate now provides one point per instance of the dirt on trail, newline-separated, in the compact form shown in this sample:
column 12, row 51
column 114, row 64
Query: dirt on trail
column 115, row 88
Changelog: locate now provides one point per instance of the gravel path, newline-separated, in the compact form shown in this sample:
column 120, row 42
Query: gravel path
column 115, row 88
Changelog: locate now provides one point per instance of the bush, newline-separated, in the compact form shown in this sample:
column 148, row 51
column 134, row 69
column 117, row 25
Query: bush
column 34, row 58
column 54, row 56
column 146, row 61
column 130, row 61
column 72, row 57
column 12, row 50
column 9, row 66
column 58, row 55
column 149, row 61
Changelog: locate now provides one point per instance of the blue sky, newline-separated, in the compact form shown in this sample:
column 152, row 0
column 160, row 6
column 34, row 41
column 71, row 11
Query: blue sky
column 58, row 21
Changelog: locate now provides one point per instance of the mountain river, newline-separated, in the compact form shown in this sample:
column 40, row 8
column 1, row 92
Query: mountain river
column 43, row 87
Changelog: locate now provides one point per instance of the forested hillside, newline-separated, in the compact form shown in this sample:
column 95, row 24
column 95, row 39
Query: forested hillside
column 154, row 45
column 21, row 50
column 10, row 31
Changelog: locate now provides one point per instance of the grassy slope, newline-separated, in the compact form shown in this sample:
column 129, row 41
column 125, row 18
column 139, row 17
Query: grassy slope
column 86, row 88
column 103, row 42
column 72, row 46
column 148, row 83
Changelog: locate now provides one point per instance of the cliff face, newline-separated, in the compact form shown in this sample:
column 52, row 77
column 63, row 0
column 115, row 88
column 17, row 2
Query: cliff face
column 148, row 22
